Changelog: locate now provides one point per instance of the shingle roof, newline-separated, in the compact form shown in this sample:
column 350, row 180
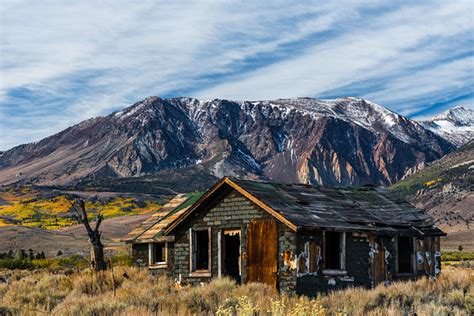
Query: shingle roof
column 306, row 207
column 345, row 208
column 152, row 228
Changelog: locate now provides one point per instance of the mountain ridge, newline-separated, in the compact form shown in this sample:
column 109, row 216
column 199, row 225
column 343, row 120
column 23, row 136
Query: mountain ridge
column 347, row 141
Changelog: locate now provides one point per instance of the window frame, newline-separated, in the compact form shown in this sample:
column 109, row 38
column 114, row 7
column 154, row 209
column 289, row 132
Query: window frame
column 193, row 272
column 342, row 257
column 151, row 255
column 412, row 258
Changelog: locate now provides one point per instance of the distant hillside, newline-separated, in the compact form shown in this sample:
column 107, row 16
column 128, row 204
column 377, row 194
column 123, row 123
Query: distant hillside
column 50, row 209
column 445, row 189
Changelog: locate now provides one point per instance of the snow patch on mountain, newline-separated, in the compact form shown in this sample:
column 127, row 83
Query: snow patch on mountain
column 456, row 125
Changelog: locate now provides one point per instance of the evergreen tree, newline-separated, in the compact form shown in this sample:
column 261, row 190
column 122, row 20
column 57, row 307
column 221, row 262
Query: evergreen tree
column 10, row 254
column 21, row 254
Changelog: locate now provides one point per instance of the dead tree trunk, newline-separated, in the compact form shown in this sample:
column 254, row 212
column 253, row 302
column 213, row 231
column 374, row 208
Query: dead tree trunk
column 97, row 248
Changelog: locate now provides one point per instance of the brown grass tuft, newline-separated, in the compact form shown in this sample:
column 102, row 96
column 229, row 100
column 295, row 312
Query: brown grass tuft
column 135, row 292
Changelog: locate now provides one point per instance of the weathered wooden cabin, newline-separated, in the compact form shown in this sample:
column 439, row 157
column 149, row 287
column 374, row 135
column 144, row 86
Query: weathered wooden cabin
column 298, row 238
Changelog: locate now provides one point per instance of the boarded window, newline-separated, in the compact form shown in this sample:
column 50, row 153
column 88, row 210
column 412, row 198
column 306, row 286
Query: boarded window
column 334, row 250
column 405, row 254
column 140, row 254
column 201, row 247
column 313, row 256
column 159, row 252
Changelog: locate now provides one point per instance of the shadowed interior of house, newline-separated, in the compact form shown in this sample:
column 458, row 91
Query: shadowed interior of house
column 231, row 254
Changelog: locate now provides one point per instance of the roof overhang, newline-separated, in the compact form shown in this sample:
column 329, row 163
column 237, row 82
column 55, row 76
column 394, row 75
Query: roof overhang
column 150, row 240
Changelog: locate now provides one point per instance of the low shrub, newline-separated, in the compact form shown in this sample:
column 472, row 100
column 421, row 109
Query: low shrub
column 457, row 256
column 72, row 262
column 132, row 291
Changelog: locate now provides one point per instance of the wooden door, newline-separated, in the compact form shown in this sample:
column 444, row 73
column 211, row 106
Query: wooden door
column 262, row 252
column 379, row 266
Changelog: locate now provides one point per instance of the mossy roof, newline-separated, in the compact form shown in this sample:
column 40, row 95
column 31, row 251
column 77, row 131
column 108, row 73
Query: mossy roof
column 152, row 228
column 306, row 207
column 341, row 208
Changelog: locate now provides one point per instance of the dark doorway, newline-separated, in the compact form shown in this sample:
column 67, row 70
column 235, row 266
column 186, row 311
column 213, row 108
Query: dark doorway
column 405, row 251
column 231, row 254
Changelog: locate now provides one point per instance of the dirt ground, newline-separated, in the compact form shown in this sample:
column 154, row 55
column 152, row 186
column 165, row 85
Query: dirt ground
column 70, row 240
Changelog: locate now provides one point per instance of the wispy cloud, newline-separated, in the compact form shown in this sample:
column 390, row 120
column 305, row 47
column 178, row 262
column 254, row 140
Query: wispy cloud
column 64, row 61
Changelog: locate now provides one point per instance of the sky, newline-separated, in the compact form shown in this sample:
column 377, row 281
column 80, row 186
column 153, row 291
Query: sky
column 62, row 62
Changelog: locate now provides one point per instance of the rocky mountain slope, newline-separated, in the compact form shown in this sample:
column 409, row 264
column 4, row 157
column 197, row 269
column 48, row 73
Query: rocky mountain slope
column 456, row 125
column 330, row 142
column 445, row 189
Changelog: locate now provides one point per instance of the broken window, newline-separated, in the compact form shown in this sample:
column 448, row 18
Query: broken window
column 157, row 253
column 405, row 254
column 334, row 250
column 313, row 256
column 200, row 245
column 308, row 260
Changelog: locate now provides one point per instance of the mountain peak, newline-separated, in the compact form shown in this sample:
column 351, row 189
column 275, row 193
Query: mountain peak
column 455, row 124
column 459, row 115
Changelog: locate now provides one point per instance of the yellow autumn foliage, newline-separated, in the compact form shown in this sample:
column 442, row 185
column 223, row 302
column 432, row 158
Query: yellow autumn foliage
column 432, row 182
column 28, row 208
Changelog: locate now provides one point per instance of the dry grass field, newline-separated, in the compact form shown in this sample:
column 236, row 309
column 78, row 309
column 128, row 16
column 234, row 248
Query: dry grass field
column 130, row 291
column 465, row 238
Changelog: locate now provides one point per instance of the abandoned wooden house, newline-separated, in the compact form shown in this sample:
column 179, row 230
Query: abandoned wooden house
column 298, row 238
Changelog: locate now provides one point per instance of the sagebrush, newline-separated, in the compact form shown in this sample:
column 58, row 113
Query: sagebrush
column 130, row 291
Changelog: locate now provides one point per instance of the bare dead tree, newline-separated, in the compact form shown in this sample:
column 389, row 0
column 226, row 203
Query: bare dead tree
column 97, row 248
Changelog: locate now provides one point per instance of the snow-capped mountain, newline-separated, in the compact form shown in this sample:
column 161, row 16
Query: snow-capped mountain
column 455, row 125
column 330, row 142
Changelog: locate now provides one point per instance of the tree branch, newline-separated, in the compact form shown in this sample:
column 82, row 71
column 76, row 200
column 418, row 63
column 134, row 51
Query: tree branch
column 73, row 206
column 100, row 217
column 81, row 212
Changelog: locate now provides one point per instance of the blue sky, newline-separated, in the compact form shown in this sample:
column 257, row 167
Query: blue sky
column 65, row 61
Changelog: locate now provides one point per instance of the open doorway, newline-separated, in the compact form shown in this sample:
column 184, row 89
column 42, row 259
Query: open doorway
column 231, row 254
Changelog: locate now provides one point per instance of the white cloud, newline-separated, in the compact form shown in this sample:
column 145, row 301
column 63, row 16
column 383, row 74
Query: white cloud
column 77, row 59
column 384, row 47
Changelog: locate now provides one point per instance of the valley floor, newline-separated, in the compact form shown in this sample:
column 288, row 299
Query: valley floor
column 130, row 291
column 463, row 238
column 70, row 240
